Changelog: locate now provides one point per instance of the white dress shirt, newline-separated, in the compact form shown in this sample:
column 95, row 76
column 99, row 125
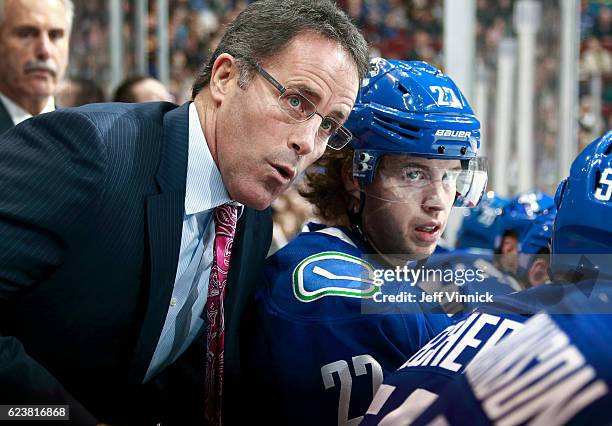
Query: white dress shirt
column 18, row 114
column 204, row 192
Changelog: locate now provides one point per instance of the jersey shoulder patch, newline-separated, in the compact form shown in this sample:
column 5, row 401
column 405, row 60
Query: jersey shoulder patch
column 333, row 273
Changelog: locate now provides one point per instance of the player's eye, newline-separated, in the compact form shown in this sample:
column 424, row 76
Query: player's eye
column 413, row 175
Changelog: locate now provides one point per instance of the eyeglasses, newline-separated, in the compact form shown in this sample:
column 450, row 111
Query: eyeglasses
column 301, row 109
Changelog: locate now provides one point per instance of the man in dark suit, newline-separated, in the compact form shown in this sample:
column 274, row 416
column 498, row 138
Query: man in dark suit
column 106, row 228
column 33, row 56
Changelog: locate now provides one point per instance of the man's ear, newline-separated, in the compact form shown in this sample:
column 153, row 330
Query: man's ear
column 223, row 73
column 538, row 273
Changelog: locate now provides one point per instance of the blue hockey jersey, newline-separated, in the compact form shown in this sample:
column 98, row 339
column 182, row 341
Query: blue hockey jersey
column 426, row 374
column 554, row 370
column 466, row 273
column 322, row 343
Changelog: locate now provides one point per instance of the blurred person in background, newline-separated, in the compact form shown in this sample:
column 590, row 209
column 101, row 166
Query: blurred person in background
column 512, row 225
column 34, row 38
column 132, row 234
column 290, row 212
column 476, row 233
column 534, row 251
column 75, row 92
column 595, row 59
column 142, row 88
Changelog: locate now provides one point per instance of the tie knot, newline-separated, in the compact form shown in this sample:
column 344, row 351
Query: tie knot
column 226, row 216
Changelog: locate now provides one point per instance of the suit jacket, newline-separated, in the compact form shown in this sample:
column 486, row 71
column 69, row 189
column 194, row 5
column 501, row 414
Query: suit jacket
column 6, row 122
column 91, row 209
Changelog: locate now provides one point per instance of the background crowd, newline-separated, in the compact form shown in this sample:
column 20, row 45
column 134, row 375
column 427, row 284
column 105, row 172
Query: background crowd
column 399, row 29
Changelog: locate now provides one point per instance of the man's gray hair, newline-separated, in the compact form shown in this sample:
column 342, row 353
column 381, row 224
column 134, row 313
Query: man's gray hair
column 266, row 27
column 68, row 5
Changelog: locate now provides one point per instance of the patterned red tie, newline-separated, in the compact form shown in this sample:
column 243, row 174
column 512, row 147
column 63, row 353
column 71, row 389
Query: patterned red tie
column 225, row 218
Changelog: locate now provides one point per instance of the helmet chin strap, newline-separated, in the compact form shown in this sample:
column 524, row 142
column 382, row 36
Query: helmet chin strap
column 358, row 227
column 356, row 220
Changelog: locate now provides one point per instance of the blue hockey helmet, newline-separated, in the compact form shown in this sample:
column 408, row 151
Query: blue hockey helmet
column 582, row 235
column 536, row 240
column 518, row 214
column 477, row 228
column 412, row 108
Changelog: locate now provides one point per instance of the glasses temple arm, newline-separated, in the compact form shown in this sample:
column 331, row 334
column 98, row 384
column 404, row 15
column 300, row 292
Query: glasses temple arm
column 271, row 79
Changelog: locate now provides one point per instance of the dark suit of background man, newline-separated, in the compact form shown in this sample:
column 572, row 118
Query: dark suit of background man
column 101, row 208
column 33, row 56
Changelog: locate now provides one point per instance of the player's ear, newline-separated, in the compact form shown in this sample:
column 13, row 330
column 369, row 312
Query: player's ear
column 538, row 272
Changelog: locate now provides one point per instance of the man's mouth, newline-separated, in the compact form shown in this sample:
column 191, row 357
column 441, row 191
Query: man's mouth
column 30, row 69
column 428, row 233
column 286, row 172
column 429, row 229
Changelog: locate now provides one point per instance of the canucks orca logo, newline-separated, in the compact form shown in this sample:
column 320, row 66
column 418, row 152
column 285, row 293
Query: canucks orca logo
column 332, row 273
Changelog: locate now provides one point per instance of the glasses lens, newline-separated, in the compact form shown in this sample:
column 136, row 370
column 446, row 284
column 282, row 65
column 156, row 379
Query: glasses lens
column 296, row 105
column 300, row 108
column 340, row 138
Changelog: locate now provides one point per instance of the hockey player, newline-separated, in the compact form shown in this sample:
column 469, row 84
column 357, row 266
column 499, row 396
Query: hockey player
column 477, row 234
column 328, row 324
column 555, row 369
column 534, row 251
column 513, row 223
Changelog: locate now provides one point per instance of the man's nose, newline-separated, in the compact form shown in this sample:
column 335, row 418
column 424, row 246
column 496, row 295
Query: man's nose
column 43, row 46
column 304, row 136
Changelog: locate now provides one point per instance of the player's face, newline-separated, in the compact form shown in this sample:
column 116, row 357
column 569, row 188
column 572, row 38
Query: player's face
column 408, row 204
column 33, row 49
column 260, row 149
column 509, row 253
column 538, row 272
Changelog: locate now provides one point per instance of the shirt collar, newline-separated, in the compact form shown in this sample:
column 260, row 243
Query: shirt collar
column 204, row 189
column 18, row 114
